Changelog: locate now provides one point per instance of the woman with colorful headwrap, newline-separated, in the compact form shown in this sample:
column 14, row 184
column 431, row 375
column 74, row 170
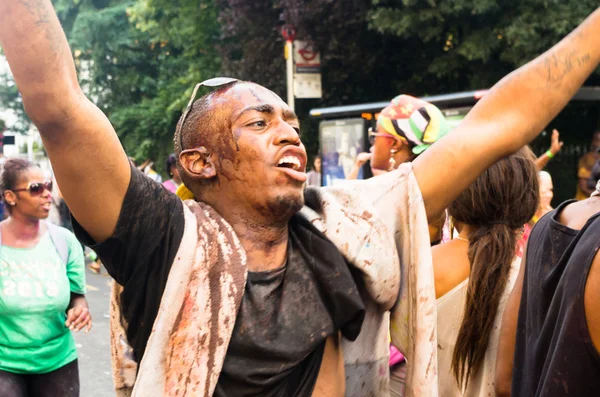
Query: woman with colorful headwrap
column 405, row 128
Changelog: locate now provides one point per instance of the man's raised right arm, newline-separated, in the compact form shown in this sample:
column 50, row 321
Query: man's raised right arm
column 89, row 162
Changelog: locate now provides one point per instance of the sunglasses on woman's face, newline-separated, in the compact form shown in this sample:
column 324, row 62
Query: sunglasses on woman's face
column 36, row 188
column 373, row 133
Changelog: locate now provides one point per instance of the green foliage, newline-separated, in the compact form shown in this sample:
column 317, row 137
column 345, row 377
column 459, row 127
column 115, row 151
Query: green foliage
column 138, row 60
column 10, row 99
column 469, row 44
column 357, row 64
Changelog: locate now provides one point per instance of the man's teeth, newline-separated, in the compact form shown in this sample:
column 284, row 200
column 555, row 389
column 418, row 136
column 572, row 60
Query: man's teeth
column 290, row 160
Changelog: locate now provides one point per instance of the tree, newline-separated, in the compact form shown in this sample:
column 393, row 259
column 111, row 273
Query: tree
column 357, row 64
column 470, row 44
column 144, row 58
column 138, row 61
column 11, row 100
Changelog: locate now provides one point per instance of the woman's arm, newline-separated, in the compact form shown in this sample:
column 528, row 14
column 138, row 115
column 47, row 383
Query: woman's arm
column 555, row 146
column 361, row 160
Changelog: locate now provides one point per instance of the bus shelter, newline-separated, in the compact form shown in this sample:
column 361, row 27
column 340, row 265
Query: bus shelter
column 343, row 133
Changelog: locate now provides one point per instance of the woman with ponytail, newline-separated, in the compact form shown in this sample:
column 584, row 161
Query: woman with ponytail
column 475, row 272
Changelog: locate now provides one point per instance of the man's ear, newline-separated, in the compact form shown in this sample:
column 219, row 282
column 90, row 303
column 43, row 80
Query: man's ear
column 197, row 163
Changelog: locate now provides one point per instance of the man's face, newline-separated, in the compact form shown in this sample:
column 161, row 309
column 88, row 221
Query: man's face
column 260, row 159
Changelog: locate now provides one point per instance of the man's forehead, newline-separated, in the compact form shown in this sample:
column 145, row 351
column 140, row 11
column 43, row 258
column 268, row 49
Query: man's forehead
column 245, row 95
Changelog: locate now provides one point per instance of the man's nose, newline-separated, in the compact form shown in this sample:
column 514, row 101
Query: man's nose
column 286, row 134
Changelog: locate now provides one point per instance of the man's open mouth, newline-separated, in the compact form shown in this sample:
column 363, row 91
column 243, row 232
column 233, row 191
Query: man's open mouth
column 291, row 162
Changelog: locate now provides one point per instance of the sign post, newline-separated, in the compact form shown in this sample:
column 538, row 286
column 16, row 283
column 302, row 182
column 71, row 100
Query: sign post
column 307, row 79
column 289, row 33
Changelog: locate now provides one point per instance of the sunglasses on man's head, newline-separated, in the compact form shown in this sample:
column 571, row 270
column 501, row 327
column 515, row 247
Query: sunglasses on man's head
column 36, row 188
column 213, row 83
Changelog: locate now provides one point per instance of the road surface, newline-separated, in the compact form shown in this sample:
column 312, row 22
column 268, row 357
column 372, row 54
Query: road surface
column 93, row 348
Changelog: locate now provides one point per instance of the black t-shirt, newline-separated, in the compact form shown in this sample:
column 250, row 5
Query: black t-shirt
column 140, row 253
column 285, row 315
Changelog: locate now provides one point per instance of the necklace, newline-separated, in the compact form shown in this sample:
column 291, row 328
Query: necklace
column 461, row 239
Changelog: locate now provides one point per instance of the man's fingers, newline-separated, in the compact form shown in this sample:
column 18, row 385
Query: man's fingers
column 89, row 326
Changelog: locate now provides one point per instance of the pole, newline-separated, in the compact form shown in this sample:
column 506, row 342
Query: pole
column 289, row 58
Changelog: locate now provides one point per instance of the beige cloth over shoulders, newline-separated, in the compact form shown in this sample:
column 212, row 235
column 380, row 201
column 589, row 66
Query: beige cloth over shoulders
column 380, row 227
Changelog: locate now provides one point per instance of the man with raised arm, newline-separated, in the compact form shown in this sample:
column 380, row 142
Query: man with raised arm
column 255, row 287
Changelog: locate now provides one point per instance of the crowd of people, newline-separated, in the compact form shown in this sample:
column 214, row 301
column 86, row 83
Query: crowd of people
column 443, row 275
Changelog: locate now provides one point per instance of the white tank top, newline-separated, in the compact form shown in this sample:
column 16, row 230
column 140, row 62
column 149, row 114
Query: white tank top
column 450, row 309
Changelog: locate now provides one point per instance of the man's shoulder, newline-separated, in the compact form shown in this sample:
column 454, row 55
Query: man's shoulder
column 382, row 194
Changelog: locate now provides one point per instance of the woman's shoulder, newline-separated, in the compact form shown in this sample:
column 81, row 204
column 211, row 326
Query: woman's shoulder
column 59, row 234
column 450, row 266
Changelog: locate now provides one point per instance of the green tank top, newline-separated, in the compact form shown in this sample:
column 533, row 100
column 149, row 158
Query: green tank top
column 35, row 291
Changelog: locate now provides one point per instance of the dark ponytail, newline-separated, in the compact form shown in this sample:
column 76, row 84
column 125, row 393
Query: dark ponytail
column 497, row 204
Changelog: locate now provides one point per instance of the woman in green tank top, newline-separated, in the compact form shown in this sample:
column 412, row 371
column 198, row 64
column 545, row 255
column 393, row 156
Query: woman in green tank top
column 42, row 286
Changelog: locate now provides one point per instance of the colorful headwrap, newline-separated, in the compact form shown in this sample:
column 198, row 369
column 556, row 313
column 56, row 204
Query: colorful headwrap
column 414, row 121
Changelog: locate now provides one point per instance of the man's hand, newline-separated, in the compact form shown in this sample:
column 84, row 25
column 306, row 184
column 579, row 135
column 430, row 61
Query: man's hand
column 555, row 144
column 508, row 117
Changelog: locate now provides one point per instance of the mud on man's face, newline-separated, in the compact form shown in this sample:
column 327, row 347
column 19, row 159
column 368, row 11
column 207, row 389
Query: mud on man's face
column 260, row 161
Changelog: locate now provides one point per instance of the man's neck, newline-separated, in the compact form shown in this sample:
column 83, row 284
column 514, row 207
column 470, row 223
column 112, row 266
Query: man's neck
column 265, row 246
column 263, row 236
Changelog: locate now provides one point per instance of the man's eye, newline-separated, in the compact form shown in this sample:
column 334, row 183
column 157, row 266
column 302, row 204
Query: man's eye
column 260, row 123
column 297, row 129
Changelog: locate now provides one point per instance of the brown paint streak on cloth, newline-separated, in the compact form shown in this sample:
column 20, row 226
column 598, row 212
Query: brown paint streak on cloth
column 191, row 333
column 124, row 367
